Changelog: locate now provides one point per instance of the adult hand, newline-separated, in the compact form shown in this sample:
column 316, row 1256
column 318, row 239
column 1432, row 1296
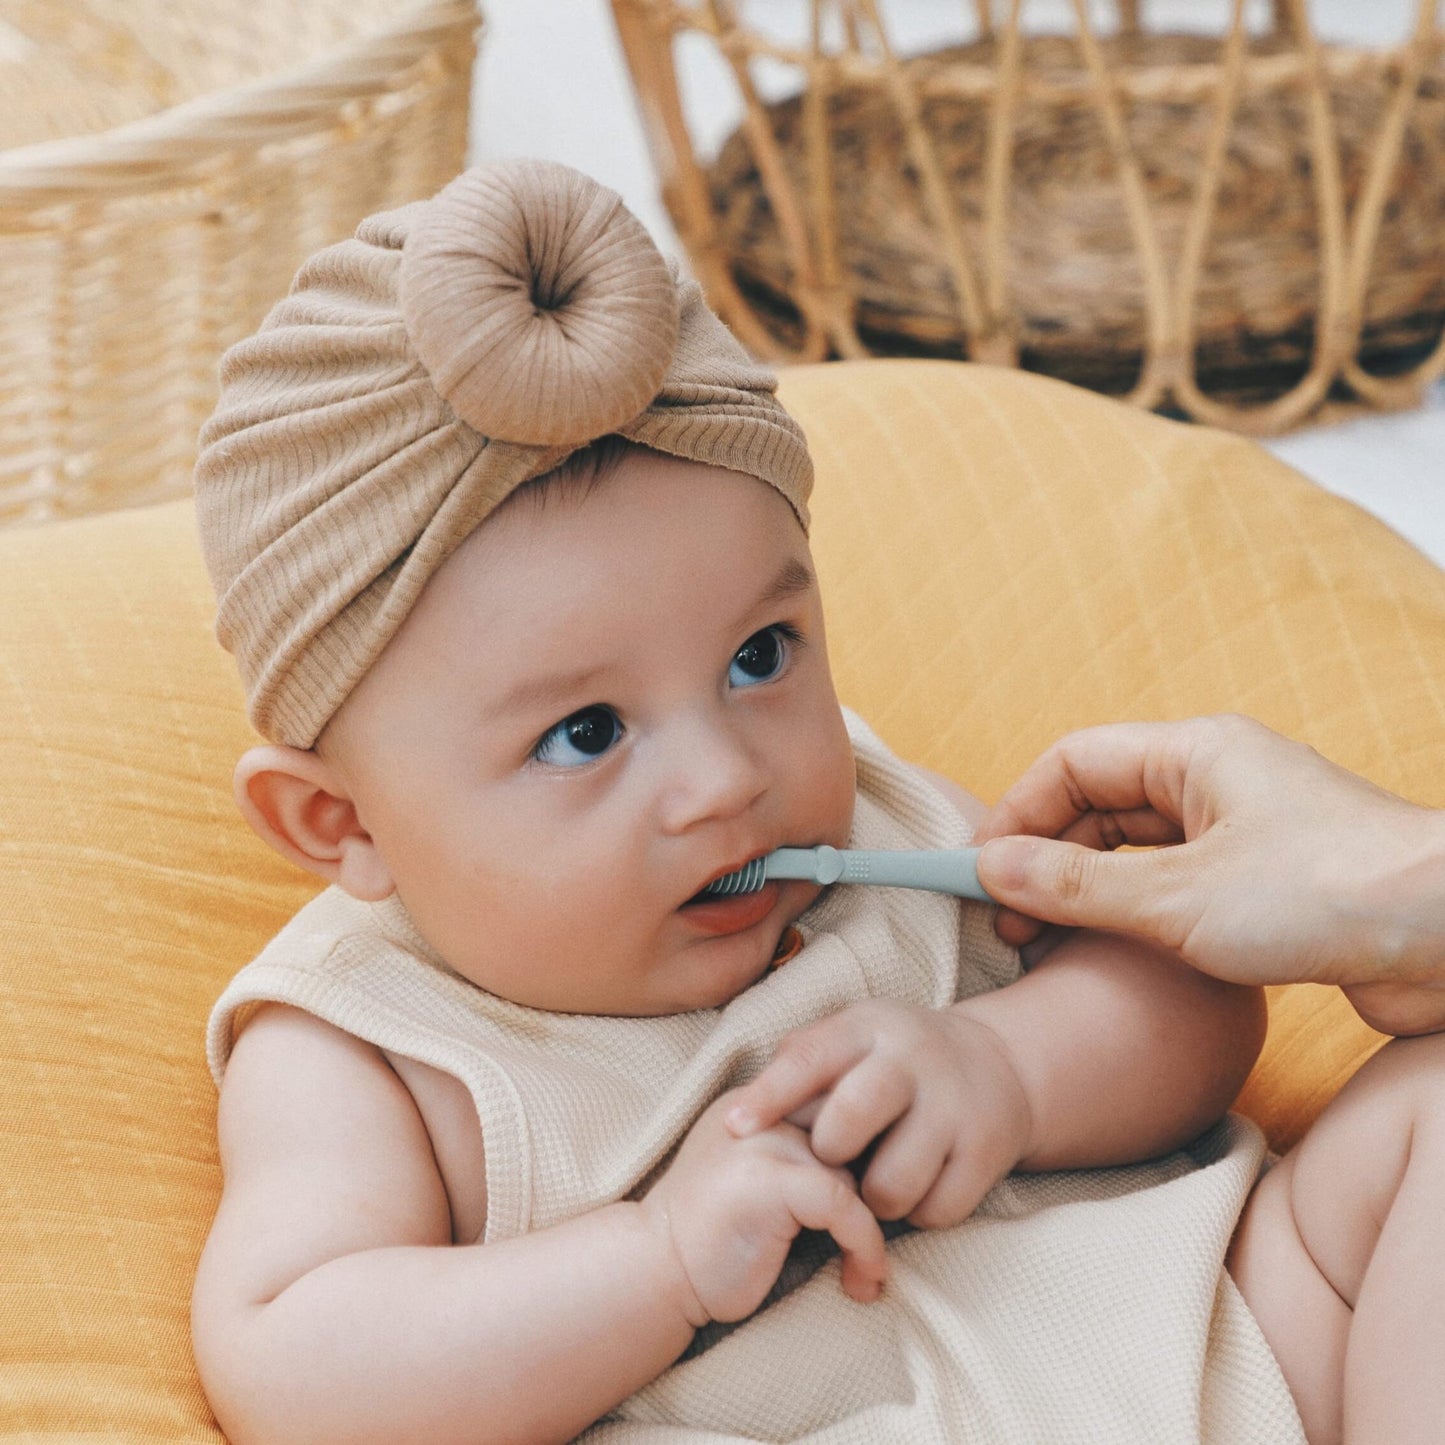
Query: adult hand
column 1284, row 867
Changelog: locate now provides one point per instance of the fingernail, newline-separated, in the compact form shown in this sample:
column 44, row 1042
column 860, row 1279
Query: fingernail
column 740, row 1120
column 1007, row 862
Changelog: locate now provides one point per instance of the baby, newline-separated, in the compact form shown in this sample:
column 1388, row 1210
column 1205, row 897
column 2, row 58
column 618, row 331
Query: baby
column 510, row 543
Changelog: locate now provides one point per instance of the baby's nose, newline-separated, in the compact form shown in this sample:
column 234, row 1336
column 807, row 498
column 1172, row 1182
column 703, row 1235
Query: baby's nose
column 714, row 773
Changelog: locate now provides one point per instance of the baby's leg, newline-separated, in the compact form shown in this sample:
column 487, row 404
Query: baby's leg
column 1339, row 1255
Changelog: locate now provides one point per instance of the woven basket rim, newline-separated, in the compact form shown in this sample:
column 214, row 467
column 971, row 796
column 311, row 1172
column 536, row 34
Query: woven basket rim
column 155, row 150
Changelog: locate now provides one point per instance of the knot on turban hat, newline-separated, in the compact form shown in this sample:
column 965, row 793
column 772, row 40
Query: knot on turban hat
column 418, row 374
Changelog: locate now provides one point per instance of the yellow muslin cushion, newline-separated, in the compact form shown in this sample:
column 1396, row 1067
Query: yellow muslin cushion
column 129, row 894
column 1004, row 558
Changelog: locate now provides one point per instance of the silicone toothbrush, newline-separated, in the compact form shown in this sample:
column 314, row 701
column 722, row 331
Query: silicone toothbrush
column 939, row 870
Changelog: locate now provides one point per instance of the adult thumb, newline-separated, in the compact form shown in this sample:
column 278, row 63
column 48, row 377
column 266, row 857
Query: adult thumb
column 1070, row 884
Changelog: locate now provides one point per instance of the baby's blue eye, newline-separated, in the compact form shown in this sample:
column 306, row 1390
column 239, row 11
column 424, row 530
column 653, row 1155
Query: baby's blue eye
column 762, row 657
column 579, row 738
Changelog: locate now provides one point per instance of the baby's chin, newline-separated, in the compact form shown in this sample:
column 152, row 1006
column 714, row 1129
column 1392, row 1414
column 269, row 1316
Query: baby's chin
column 715, row 971
column 688, row 971
column 726, row 984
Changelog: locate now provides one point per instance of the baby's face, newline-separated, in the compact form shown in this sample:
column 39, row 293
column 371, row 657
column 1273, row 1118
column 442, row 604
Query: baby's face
column 599, row 704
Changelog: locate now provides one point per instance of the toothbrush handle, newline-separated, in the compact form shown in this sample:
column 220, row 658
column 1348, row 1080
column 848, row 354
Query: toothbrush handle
column 939, row 870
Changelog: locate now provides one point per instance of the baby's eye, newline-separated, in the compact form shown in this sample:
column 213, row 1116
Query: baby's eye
column 763, row 656
column 579, row 738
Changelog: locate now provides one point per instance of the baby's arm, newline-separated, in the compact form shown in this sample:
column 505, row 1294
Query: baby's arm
column 1107, row 1050
column 331, row 1304
column 1122, row 1050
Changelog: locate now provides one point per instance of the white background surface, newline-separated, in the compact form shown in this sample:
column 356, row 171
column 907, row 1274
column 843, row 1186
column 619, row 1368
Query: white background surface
column 552, row 82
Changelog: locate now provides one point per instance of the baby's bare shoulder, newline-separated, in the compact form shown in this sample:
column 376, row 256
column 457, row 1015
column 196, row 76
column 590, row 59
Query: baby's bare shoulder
column 324, row 1154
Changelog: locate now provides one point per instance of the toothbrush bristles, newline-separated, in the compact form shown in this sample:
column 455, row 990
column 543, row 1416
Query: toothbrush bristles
column 747, row 879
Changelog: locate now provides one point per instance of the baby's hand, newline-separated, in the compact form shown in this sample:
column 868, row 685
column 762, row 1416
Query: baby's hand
column 939, row 1082
column 729, row 1208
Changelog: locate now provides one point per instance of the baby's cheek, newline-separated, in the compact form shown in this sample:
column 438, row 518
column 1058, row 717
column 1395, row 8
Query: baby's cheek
column 831, row 786
column 491, row 917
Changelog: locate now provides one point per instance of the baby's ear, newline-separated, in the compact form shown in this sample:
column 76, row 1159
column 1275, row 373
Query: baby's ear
column 295, row 801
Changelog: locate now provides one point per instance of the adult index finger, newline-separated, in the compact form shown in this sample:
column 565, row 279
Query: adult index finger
column 1117, row 768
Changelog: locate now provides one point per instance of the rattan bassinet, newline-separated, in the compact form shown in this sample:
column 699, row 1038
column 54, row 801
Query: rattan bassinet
column 1234, row 225
column 165, row 167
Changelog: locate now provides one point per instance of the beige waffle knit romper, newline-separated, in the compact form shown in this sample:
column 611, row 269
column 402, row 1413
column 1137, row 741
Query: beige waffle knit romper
column 1087, row 1306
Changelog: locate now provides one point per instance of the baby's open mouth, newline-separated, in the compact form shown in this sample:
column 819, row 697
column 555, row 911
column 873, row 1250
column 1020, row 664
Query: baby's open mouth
column 720, row 914
column 705, row 894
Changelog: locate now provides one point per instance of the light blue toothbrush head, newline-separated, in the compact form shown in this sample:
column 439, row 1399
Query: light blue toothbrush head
column 747, row 879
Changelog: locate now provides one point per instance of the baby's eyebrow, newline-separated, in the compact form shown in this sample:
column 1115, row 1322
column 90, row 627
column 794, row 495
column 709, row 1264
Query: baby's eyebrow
column 792, row 579
column 550, row 689
column 554, row 689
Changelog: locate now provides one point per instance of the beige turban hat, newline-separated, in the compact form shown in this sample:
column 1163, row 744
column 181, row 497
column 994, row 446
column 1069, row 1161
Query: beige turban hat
column 413, row 379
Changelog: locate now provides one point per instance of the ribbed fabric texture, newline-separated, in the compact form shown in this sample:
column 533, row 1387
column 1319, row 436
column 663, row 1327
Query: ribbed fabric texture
column 1077, row 1307
column 413, row 379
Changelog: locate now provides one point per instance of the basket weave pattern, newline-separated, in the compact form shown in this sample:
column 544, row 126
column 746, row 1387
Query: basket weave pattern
column 1236, row 227
column 170, row 164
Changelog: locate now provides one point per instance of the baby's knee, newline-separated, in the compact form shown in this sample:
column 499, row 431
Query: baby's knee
column 1405, row 1080
column 1379, row 1120
column 1387, row 1121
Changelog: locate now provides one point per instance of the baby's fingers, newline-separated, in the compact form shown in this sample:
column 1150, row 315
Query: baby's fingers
column 864, row 1103
column 907, row 1165
column 806, row 1064
column 827, row 1199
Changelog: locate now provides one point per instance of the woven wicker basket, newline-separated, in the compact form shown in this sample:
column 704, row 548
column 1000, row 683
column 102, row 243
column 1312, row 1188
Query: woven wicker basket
column 1236, row 227
column 165, row 167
